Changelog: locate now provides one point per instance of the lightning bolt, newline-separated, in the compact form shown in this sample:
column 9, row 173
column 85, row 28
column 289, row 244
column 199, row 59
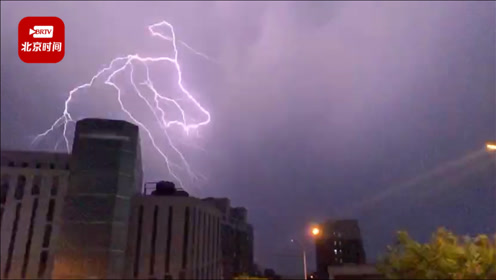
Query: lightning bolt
column 118, row 65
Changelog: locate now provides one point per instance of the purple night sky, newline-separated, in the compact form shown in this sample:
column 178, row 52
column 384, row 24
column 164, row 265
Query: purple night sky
column 371, row 110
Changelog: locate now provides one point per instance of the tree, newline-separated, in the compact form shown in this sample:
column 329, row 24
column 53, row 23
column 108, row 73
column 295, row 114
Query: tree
column 446, row 256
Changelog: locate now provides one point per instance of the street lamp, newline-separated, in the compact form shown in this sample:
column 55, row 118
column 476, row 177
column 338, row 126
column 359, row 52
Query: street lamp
column 304, row 256
column 315, row 231
column 491, row 146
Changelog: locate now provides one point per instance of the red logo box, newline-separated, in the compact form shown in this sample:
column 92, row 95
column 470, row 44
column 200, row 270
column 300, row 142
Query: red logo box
column 41, row 39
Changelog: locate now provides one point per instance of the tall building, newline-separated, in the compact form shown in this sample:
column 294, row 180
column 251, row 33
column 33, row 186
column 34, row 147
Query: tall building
column 105, row 174
column 340, row 243
column 83, row 216
column 173, row 236
column 237, row 239
column 33, row 185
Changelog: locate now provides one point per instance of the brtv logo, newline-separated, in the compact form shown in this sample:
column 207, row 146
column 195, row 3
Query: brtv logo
column 41, row 39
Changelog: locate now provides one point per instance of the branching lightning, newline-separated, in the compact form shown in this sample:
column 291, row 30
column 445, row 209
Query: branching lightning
column 118, row 65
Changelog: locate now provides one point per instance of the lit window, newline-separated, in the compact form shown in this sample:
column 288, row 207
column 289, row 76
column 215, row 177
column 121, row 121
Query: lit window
column 335, row 251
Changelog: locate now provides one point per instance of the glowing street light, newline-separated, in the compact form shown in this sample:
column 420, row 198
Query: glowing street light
column 491, row 146
column 315, row 231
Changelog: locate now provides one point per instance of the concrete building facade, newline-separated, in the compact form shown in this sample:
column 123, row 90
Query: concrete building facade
column 173, row 236
column 340, row 243
column 33, row 186
column 83, row 216
column 105, row 174
column 237, row 239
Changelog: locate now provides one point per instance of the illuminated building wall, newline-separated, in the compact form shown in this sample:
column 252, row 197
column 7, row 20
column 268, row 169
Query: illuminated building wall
column 106, row 173
column 174, row 236
column 33, row 185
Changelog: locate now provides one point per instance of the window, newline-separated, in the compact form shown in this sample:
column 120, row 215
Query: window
column 199, row 234
column 30, row 237
column 43, row 264
column 24, row 164
column 38, row 165
column 154, row 238
column 35, row 190
column 193, row 234
column 185, row 237
column 67, row 167
column 12, row 241
column 55, row 186
column 11, row 164
column 204, row 231
column 210, row 239
column 21, row 183
column 138, row 242
column 5, row 188
column 169, row 239
column 52, row 165
column 51, row 209
column 47, row 235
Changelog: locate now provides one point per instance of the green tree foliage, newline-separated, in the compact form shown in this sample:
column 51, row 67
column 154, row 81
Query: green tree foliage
column 446, row 256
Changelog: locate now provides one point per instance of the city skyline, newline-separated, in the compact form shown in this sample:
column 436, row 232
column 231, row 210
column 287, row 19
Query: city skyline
column 101, row 223
column 373, row 111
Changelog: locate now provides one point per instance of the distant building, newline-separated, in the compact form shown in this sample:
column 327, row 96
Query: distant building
column 84, row 216
column 173, row 236
column 361, row 271
column 33, row 185
column 106, row 172
column 237, row 239
column 340, row 243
